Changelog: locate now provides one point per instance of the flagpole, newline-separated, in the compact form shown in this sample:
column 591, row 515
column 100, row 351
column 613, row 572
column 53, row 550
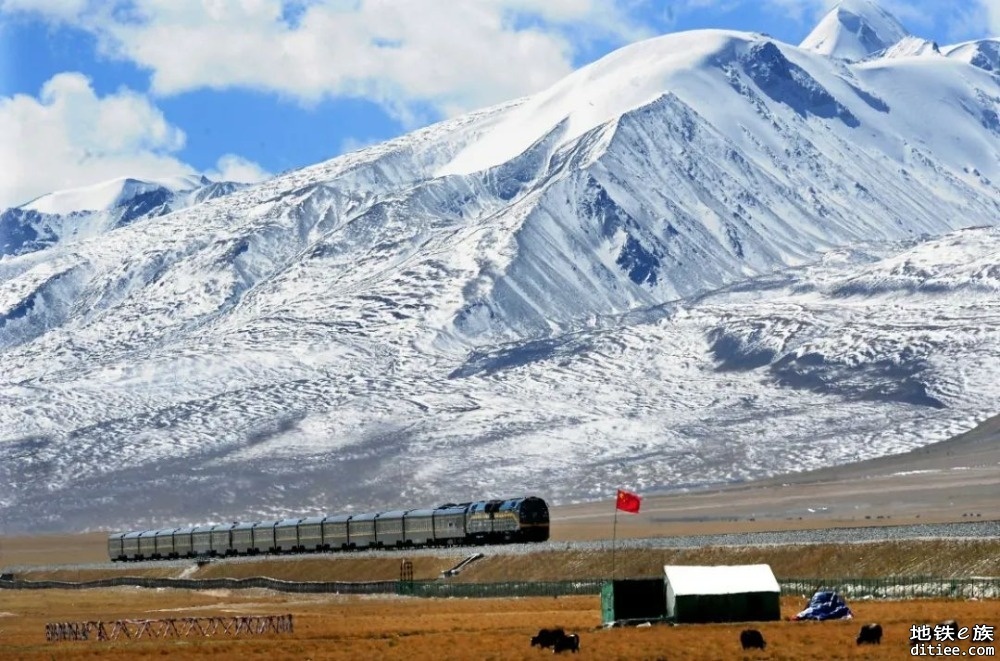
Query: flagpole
column 614, row 539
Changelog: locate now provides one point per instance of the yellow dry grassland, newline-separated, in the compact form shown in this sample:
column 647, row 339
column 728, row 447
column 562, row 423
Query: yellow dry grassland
column 414, row 629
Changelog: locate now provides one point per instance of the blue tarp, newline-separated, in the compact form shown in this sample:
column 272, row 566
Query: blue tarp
column 826, row 606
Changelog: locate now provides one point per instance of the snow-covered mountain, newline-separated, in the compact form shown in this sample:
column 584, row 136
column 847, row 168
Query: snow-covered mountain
column 853, row 30
column 910, row 47
column 79, row 213
column 984, row 53
column 708, row 256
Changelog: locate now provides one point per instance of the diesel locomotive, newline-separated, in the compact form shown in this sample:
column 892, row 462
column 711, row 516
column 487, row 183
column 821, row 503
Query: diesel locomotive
column 511, row 521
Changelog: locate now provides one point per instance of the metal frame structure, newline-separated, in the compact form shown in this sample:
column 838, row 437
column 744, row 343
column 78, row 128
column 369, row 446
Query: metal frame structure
column 179, row 627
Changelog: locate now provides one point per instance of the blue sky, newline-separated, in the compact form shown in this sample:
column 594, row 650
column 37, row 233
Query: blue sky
column 241, row 89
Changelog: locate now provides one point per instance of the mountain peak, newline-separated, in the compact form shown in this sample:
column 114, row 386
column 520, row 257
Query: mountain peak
column 853, row 30
column 982, row 53
column 911, row 47
column 600, row 92
column 87, row 211
column 108, row 194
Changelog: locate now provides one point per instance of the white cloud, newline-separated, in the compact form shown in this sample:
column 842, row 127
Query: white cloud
column 69, row 137
column 231, row 167
column 350, row 144
column 405, row 54
column 989, row 10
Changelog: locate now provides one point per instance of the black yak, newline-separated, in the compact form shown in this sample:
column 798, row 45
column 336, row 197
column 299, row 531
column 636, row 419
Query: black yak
column 547, row 637
column 570, row 642
column 870, row 634
column 750, row 638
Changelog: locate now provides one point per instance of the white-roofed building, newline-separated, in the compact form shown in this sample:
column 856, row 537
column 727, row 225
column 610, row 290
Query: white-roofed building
column 721, row 593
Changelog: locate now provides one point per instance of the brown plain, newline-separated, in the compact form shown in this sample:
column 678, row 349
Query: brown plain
column 414, row 629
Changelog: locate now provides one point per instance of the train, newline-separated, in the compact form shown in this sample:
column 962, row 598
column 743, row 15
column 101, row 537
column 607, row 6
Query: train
column 510, row 521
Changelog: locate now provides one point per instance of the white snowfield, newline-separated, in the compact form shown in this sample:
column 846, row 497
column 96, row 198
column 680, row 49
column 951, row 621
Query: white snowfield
column 707, row 257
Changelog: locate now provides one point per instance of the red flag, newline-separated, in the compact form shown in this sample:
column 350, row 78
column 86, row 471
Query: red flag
column 628, row 502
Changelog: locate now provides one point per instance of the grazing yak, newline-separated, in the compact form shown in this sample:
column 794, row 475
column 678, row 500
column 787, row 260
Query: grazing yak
column 870, row 634
column 547, row 637
column 569, row 642
column 750, row 638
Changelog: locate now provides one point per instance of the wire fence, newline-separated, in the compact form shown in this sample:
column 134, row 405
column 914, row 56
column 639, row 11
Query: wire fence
column 895, row 587
column 372, row 587
column 494, row 590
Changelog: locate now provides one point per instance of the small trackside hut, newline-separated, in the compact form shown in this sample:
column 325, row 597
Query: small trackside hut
column 632, row 601
column 722, row 593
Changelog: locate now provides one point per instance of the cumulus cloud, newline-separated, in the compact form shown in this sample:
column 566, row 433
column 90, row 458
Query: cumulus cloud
column 231, row 167
column 989, row 11
column 68, row 136
column 450, row 56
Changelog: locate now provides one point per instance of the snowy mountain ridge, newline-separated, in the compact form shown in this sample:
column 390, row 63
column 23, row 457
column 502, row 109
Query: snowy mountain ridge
column 984, row 53
column 853, row 30
column 706, row 257
column 78, row 213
